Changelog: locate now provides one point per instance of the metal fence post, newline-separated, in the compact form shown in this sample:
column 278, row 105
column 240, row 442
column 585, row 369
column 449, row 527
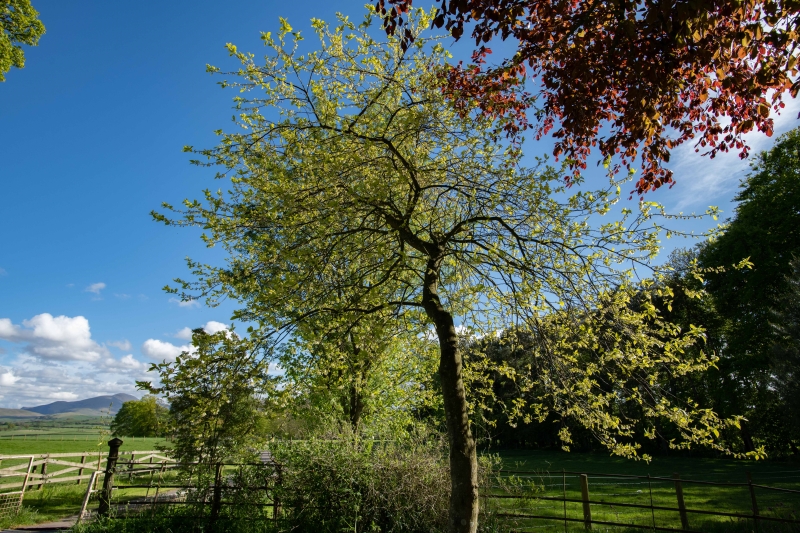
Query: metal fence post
column 108, row 479
column 753, row 500
column 587, row 510
column 681, row 504
column 564, row 483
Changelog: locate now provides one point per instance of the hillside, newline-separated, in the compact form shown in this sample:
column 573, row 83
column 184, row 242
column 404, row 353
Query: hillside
column 17, row 413
column 96, row 405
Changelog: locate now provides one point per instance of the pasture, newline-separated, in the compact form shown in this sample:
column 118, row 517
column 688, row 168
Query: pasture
column 536, row 476
column 539, row 476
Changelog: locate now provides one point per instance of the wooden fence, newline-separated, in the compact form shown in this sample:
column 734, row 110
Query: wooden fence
column 22, row 475
column 207, row 493
column 526, row 505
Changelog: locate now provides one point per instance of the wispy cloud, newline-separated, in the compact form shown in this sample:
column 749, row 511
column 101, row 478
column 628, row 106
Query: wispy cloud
column 185, row 303
column 122, row 296
column 95, row 288
column 123, row 345
column 702, row 181
column 3, row 272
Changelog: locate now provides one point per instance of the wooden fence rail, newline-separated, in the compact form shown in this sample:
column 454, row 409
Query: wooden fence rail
column 47, row 474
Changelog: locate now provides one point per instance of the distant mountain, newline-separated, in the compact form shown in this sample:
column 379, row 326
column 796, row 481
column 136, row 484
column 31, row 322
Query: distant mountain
column 17, row 413
column 104, row 404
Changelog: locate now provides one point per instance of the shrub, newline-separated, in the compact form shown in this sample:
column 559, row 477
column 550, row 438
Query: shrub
column 364, row 485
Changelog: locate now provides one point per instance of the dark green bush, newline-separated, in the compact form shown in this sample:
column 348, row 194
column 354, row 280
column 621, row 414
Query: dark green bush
column 364, row 486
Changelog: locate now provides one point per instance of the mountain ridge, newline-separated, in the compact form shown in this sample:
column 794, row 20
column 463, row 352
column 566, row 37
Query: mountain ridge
column 110, row 404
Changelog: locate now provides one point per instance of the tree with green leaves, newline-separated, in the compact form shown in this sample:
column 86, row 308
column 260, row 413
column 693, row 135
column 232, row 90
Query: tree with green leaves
column 766, row 230
column 786, row 357
column 215, row 394
column 19, row 24
column 355, row 189
column 141, row 418
column 369, row 374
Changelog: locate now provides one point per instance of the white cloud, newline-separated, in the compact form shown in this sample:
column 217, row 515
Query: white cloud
column 55, row 358
column 702, row 181
column 123, row 345
column 129, row 362
column 185, row 303
column 95, row 288
column 38, row 382
column 3, row 272
column 210, row 327
column 122, row 296
column 54, row 338
column 184, row 333
column 213, row 326
column 163, row 351
column 7, row 379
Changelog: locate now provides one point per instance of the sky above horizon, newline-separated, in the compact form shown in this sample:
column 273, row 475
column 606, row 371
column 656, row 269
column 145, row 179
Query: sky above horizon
column 92, row 135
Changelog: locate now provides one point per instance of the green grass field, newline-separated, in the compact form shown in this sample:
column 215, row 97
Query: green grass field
column 545, row 479
column 19, row 447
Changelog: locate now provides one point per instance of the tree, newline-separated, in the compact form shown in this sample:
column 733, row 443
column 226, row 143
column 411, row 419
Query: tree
column 368, row 373
column 766, row 230
column 633, row 78
column 214, row 393
column 141, row 418
column 786, row 356
column 357, row 189
column 19, row 24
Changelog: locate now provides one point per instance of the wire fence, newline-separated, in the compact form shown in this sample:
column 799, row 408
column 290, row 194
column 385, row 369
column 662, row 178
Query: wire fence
column 552, row 501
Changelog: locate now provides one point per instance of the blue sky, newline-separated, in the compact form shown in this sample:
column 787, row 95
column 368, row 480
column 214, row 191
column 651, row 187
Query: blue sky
column 91, row 136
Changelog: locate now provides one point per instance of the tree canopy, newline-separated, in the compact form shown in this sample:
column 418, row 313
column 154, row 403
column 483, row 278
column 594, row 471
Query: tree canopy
column 631, row 79
column 358, row 192
column 141, row 418
column 19, row 24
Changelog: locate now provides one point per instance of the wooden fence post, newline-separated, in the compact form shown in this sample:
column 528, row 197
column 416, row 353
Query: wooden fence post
column 80, row 470
column 25, row 484
column 681, row 504
column 89, row 490
column 130, row 466
column 108, row 479
column 216, row 501
column 587, row 510
column 753, row 500
column 42, row 472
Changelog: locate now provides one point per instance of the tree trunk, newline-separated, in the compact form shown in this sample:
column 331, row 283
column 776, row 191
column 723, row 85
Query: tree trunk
column 356, row 406
column 463, row 516
column 747, row 438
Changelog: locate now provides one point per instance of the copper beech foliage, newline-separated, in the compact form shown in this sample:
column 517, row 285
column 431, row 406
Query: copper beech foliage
column 633, row 79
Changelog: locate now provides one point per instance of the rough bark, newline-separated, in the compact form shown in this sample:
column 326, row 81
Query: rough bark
column 463, row 515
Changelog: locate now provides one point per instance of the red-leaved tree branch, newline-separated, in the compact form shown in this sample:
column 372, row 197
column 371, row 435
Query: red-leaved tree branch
column 632, row 79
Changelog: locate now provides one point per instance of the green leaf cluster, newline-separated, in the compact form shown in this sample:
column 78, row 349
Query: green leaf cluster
column 19, row 24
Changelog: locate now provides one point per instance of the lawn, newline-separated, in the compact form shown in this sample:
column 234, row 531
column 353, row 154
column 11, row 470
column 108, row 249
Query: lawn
column 544, row 477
